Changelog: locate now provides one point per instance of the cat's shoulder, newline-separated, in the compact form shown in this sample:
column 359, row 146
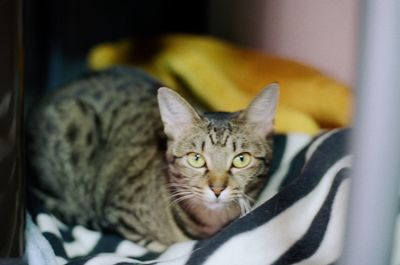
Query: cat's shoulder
column 114, row 84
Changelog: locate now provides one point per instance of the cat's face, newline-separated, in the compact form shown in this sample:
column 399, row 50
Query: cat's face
column 218, row 160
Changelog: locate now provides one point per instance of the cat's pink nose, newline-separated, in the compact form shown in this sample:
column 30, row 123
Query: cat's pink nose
column 217, row 189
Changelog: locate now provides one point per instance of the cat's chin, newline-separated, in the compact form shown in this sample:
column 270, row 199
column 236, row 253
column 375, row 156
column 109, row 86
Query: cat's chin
column 216, row 205
column 209, row 216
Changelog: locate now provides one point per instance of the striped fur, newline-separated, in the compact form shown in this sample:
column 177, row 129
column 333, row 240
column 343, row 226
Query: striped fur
column 298, row 219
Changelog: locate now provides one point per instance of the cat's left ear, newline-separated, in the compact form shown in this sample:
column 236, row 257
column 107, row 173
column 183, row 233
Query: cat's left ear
column 261, row 111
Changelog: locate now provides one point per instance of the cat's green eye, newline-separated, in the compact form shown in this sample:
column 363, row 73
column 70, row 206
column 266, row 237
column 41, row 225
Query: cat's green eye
column 241, row 160
column 196, row 160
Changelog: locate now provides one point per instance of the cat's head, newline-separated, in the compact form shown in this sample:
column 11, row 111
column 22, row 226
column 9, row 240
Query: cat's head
column 218, row 159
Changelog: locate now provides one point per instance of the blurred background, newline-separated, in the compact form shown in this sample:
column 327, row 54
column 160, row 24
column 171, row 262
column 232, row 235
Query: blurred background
column 59, row 34
column 322, row 34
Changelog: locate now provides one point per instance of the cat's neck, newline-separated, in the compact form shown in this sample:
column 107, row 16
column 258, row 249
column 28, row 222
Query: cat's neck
column 198, row 220
column 206, row 221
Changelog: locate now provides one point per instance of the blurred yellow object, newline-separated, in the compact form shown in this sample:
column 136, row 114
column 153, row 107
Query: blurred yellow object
column 109, row 53
column 225, row 77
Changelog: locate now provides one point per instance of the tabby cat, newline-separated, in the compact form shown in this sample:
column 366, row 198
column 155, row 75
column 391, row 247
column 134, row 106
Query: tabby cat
column 109, row 156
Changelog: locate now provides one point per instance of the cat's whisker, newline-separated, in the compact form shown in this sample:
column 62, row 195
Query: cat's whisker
column 177, row 199
column 175, row 190
column 241, row 194
column 175, row 186
column 179, row 196
column 174, row 195
column 250, row 199
column 182, row 198
column 190, row 205
column 180, row 191
column 244, row 205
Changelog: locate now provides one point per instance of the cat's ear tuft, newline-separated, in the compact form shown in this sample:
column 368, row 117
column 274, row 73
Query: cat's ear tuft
column 261, row 111
column 176, row 113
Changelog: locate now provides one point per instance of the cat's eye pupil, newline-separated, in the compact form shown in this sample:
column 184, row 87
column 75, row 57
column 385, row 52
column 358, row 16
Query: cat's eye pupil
column 241, row 160
column 196, row 160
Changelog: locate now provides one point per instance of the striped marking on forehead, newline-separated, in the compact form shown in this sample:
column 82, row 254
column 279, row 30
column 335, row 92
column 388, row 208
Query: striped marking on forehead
column 219, row 127
column 219, row 135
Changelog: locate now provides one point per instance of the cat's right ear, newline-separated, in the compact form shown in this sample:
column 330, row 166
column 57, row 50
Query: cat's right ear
column 176, row 113
column 261, row 111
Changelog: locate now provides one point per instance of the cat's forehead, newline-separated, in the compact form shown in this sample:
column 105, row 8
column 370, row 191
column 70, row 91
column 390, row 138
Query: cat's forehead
column 220, row 120
column 220, row 123
column 220, row 132
column 222, row 128
column 220, row 116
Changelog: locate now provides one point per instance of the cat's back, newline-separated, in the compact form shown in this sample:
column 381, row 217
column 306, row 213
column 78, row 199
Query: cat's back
column 108, row 96
column 107, row 89
column 91, row 129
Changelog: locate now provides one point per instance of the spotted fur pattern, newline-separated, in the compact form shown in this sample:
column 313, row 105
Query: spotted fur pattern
column 105, row 158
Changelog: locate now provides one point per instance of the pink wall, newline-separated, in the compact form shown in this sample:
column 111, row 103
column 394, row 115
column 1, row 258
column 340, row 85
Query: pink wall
column 320, row 33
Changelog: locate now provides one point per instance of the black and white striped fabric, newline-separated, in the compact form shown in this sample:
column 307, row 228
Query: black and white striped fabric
column 298, row 219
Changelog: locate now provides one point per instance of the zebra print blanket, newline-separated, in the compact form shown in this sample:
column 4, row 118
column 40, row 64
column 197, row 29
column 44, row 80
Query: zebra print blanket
column 298, row 219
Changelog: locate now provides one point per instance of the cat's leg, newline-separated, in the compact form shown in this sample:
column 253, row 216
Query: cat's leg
column 124, row 221
column 154, row 246
column 150, row 244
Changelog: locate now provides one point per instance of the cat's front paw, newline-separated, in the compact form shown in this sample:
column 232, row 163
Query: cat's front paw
column 156, row 246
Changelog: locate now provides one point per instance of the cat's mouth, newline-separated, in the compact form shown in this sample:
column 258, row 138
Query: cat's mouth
column 217, row 204
column 220, row 205
column 214, row 202
column 225, row 201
